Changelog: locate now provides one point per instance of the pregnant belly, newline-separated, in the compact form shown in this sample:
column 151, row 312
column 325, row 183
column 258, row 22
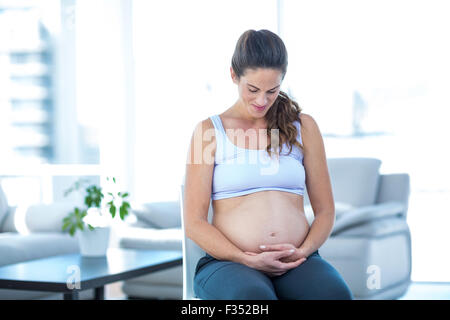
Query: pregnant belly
column 250, row 229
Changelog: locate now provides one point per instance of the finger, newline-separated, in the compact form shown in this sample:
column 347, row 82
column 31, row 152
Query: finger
column 294, row 264
column 251, row 253
column 276, row 247
column 274, row 273
column 282, row 254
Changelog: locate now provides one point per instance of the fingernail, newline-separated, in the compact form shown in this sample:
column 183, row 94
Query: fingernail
column 291, row 251
column 262, row 247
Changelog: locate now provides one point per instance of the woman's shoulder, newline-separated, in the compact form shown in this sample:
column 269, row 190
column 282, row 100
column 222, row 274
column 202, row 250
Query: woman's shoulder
column 304, row 117
column 307, row 121
column 310, row 130
column 205, row 123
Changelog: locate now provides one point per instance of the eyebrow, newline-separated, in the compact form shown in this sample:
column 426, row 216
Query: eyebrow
column 259, row 89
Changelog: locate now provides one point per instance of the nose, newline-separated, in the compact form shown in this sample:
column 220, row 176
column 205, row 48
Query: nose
column 261, row 100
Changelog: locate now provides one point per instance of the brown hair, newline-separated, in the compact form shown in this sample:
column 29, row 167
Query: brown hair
column 265, row 49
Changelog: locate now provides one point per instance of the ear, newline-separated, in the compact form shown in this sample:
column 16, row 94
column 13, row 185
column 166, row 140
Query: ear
column 233, row 76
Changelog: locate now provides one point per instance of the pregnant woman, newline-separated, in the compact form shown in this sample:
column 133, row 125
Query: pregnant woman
column 254, row 161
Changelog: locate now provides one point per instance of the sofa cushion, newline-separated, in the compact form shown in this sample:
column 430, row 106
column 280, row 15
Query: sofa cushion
column 3, row 207
column 160, row 215
column 367, row 214
column 47, row 217
column 148, row 238
column 381, row 227
column 16, row 247
column 354, row 180
column 339, row 208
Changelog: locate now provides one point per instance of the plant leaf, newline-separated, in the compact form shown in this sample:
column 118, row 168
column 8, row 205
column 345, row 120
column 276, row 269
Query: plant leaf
column 66, row 225
column 72, row 230
column 113, row 210
column 124, row 209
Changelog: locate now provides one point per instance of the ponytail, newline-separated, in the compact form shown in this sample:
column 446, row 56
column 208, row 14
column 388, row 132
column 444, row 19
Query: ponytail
column 282, row 115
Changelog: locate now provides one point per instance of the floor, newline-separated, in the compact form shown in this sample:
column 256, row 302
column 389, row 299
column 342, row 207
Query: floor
column 428, row 291
column 416, row 291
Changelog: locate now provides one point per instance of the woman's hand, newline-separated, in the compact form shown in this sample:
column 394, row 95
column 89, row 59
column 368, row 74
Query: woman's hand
column 297, row 254
column 273, row 262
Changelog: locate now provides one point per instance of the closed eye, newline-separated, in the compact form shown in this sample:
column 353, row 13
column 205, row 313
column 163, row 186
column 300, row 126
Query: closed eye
column 270, row 92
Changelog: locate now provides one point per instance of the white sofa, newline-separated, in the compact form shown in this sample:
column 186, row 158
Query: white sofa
column 370, row 244
column 33, row 232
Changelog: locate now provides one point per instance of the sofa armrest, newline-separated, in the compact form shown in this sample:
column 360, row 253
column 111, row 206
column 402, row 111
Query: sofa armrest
column 366, row 214
column 37, row 217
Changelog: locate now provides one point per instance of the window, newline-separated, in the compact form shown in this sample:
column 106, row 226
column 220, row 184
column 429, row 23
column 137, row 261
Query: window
column 40, row 125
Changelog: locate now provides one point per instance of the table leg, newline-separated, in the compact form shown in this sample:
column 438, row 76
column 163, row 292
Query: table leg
column 100, row 293
column 73, row 295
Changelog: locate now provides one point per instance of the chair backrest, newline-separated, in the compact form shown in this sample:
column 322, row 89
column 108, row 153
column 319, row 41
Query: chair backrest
column 191, row 253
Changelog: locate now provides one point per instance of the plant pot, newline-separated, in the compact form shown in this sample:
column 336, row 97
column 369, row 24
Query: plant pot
column 94, row 243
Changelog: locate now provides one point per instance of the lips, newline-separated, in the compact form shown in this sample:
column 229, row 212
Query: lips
column 259, row 108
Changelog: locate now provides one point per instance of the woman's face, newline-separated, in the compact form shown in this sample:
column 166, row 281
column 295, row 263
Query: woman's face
column 258, row 89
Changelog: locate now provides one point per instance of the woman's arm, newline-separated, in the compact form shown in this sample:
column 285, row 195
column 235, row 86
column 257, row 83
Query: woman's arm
column 197, row 195
column 318, row 185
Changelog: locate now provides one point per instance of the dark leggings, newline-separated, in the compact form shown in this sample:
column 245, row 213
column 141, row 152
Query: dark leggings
column 225, row 280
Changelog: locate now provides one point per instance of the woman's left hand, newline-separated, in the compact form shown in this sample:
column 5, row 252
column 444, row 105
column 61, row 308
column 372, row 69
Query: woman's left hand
column 298, row 253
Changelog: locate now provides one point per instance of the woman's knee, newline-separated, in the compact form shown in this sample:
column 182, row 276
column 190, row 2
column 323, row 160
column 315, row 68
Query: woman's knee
column 332, row 287
column 336, row 291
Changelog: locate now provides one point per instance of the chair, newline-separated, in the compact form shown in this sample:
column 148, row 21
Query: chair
column 370, row 244
column 191, row 254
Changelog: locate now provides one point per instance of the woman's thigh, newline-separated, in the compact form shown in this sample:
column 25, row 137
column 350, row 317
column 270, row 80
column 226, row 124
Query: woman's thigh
column 314, row 279
column 226, row 280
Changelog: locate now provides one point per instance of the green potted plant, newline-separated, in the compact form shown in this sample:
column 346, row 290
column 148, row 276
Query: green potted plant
column 93, row 220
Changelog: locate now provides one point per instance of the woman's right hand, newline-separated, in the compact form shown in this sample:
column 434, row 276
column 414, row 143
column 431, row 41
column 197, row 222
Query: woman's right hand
column 269, row 262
